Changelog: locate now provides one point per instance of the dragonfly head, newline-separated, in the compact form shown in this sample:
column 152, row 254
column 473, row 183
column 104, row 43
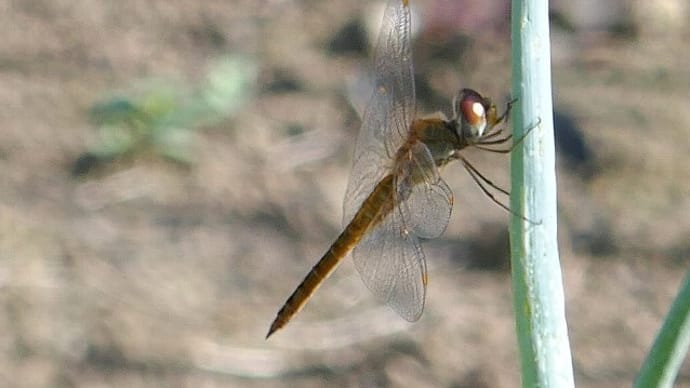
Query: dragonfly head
column 472, row 112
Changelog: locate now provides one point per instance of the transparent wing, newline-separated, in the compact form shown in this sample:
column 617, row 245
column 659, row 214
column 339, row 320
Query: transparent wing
column 428, row 201
column 389, row 258
column 390, row 111
column 391, row 264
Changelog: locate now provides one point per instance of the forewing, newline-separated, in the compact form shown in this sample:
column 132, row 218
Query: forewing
column 391, row 263
column 390, row 111
column 428, row 201
column 394, row 71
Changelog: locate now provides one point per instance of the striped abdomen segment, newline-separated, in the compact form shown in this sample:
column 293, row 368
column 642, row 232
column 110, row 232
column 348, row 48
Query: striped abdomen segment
column 377, row 205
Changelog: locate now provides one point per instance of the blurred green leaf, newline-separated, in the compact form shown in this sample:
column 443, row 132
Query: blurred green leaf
column 670, row 347
column 113, row 111
column 162, row 116
column 174, row 143
column 113, row 141
column 228, row 84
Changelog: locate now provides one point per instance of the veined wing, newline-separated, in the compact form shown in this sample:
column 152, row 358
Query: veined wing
column 390, row 111
column 428, row 201
column 391, row 263
column 389, row 258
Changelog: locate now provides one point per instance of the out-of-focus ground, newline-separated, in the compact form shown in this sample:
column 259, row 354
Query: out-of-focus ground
column 146, row 273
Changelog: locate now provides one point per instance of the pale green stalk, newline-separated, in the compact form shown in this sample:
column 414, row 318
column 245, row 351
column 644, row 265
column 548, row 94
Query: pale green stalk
column 671, row 345
column 542, row 332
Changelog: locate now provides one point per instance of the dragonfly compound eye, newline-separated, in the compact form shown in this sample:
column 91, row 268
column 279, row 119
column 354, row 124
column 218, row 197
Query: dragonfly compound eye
column 473, row 112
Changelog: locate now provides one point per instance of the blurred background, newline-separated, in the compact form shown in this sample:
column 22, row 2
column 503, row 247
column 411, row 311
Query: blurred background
column 170, row 170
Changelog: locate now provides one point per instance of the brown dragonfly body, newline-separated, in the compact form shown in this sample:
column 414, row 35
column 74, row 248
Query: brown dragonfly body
column 395, row 193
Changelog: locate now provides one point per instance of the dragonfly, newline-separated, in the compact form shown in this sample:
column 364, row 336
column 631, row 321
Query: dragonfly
column 395, row 195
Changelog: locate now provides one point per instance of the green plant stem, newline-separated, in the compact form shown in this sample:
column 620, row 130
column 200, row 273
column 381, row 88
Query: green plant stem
column 671, row 345
column 541, row 327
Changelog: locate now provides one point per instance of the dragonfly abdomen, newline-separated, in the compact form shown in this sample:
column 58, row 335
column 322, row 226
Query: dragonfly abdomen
column 377, row 205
